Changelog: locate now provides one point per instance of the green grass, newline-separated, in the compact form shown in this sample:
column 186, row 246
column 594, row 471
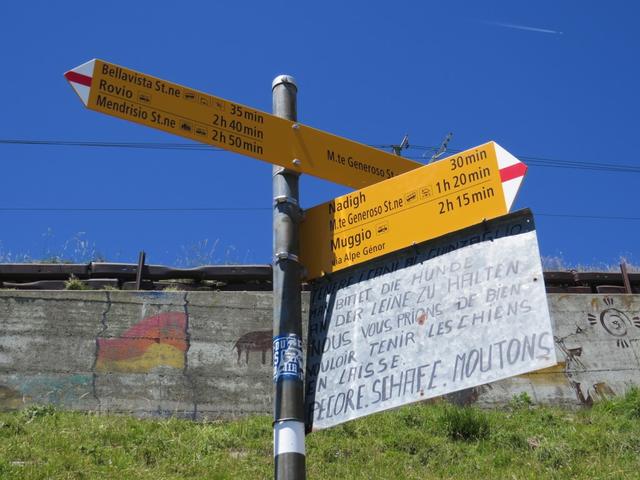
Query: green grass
column 74, row 283
column 424, row 441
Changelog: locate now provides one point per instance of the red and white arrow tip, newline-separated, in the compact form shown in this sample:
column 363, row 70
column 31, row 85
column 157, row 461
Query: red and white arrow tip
column 512, row 172
column 80, row 79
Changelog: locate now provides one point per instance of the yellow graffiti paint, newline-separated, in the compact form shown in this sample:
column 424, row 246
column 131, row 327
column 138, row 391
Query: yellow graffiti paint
column 157, row 355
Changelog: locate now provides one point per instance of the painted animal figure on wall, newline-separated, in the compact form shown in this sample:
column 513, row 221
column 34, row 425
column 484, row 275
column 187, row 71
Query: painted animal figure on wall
column 257, row 341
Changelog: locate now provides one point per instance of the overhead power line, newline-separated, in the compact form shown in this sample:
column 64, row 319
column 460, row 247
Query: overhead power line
column 140, row 145
column 555, row 163
column 531, row 160
column 238, row 209
column 592, row 217
column 134, row 209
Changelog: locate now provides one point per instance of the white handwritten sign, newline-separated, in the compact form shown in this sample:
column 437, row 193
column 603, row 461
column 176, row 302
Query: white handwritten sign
column 449, row 315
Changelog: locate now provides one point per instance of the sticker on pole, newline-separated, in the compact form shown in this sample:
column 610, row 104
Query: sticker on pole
column 456, row 312
column 287, row 357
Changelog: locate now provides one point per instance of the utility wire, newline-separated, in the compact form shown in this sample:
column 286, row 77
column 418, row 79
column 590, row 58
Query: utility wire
column 594, row 217
column 140, row 145
column 556, row 163
column 239, row 209
column 134, row 209
column 531, row 160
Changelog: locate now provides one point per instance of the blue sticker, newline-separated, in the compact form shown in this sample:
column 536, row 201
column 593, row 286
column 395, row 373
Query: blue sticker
column 287, row 357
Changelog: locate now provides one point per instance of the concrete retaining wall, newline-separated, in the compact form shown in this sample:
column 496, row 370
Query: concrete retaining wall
column 208, row 354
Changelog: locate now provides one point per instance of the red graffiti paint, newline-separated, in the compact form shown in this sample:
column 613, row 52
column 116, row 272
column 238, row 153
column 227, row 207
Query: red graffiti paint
column 154, row 341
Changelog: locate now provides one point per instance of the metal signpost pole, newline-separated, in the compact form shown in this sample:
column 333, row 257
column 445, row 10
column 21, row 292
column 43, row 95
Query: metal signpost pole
column 288, row 426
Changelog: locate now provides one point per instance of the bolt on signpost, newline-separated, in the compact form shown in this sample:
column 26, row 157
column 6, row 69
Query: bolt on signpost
column 288, row 425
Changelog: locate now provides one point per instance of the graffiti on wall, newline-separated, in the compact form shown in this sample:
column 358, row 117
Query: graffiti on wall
column 143, row 365
column 160, row 340
column 41, row 388
column 599, row 362
column 257, row 341
column 11, row 398
column 615, row 322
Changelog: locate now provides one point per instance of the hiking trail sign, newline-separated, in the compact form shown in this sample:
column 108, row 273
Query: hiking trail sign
column 471, row 186
column 141, row 98
column 456, row 312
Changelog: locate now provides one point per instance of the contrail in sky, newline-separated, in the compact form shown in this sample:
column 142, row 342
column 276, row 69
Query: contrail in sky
column 524, row 27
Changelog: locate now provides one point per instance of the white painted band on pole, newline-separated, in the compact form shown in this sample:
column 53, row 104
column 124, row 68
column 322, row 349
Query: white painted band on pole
column 288, row 437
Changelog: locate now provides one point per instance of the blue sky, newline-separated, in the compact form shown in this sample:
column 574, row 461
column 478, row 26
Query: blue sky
column 550, row 80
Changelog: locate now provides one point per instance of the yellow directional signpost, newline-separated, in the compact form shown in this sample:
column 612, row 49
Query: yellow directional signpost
column 400, row 202
column 183, row 111
column 445, row 196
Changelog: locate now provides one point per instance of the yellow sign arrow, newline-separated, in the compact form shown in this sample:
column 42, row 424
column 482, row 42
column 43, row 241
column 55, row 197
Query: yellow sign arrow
column 445, row 196
column 141, row 98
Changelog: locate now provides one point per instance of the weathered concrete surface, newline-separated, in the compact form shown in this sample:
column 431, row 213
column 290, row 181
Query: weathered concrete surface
column 598, row 350
column 149, row 353
column 208, row 354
